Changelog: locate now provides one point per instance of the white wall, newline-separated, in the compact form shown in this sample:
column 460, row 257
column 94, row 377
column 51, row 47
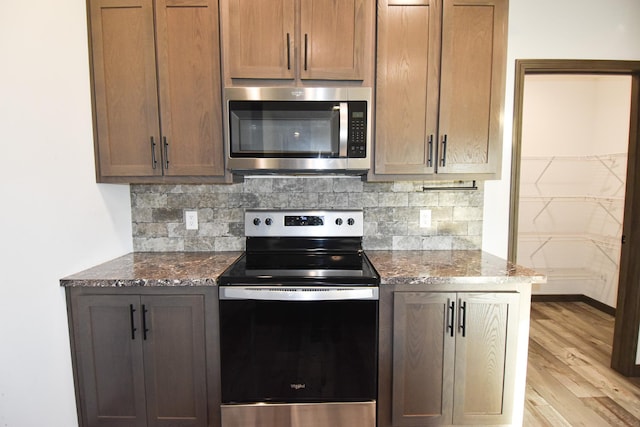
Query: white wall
column 55, row 219
column 552, row 29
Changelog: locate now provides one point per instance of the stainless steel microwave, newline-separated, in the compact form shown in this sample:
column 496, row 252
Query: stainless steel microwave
column 298, row 130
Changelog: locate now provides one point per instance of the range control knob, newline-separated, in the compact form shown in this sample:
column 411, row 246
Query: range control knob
column 339, row 221
column 268, row 221
column 351, row 221
column 256, row 221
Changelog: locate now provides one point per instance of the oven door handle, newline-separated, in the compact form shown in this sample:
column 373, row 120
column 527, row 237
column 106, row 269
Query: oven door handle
column 296, row 293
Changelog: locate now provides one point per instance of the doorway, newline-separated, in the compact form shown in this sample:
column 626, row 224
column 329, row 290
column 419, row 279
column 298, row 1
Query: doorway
column 533, row 172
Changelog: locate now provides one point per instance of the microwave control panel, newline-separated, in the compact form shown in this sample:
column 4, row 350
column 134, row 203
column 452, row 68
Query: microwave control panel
column 357, row 142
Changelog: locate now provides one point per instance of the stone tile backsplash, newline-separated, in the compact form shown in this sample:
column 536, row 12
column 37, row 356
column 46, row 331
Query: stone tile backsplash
column 391, row 212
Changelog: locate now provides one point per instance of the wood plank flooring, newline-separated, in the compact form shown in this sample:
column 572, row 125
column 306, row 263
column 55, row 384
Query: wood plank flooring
column 569, row 381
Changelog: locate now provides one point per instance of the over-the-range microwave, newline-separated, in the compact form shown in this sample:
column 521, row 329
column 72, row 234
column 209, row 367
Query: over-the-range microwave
column 277, row 130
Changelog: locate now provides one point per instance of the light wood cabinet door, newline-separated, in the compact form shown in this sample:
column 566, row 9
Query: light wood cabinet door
column 485, row 359
column 332, row 39
column 297, row 39
column 124, row 87
column 157, row 114
column 189, row 87
column 260, row 38
column 454, row 357
column 440, row 88
column 423, row 359
column 408, row 67
column 474, row 45
column 141, row 360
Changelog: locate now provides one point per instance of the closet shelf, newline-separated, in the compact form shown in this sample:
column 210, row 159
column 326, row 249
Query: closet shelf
column 607, row 161
column 573, row 198
column 599, row 201
column 569, row 273
column 601, row 243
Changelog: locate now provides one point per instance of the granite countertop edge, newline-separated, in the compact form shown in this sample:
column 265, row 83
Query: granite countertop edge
column 189, row 269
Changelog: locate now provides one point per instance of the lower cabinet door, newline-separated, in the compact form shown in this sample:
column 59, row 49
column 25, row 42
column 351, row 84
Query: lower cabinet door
column 454, row 358
column 174, row 357
column 485, row 358
column 423, row 358
column 110, row 363
column 140, row 360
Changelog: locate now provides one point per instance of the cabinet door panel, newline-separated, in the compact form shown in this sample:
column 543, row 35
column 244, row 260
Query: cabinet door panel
column 175, row 364
column 125, row 90
column 423, row 357
column 332, row 37
column 408, row 66
column 110, row 361
column 189, row 87
column 472, row 85
column 257, row 39
column 484, row 358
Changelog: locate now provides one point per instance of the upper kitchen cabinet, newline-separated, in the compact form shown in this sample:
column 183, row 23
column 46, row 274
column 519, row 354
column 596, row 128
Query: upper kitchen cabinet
column 156, row 90
column 298, row 41
column 440, row 88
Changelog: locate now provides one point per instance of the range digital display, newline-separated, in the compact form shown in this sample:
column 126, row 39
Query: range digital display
column 302, row 220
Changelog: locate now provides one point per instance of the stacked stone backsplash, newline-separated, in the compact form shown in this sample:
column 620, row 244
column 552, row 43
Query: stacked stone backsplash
column 391, row 212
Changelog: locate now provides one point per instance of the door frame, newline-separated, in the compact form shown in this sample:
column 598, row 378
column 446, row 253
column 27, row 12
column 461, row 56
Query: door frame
column 627, row 323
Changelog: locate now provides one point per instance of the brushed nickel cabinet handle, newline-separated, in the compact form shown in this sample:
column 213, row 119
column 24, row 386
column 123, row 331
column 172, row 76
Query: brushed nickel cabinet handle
column 443, row 159
column 154, row 162
column 166, row 152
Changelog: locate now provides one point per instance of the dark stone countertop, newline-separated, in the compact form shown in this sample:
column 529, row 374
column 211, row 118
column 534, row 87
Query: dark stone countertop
column 156, row 269
column 395, row 268
column 448, row 267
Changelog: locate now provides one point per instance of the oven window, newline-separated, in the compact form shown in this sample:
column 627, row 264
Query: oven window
column 315, row 351
column 284, row 129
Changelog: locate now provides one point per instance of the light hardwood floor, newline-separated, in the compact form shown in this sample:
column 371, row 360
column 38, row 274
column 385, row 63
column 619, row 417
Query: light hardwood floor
column 569, row 381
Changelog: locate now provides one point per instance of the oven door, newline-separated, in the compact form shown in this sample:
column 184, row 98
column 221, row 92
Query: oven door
column 287, row 351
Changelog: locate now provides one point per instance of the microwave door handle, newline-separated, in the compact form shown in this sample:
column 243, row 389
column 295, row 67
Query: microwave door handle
column 344, row 128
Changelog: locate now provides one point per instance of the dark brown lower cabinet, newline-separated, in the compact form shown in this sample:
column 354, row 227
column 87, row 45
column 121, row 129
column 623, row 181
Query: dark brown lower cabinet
column 140, row 357
column 454, row 358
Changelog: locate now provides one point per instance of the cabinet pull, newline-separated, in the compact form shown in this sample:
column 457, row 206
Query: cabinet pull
column 166, row 152
column 463, row 318
column 306, row 39
column 450, row 315
column 443, row 159
column 154, row 162
column 288, row 51
column 144, row 322
column 133, row 324
column 430, row 151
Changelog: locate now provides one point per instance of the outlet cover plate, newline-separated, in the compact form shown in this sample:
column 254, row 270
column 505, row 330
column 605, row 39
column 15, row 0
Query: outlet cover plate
column 191, row 220
column 425, row 218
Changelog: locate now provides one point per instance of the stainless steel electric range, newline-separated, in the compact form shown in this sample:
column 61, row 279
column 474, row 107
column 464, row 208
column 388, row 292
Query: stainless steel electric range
column 298, row 323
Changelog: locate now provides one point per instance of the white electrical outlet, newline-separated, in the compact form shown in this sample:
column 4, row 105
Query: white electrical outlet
column 191, row 220
column 425, row 218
